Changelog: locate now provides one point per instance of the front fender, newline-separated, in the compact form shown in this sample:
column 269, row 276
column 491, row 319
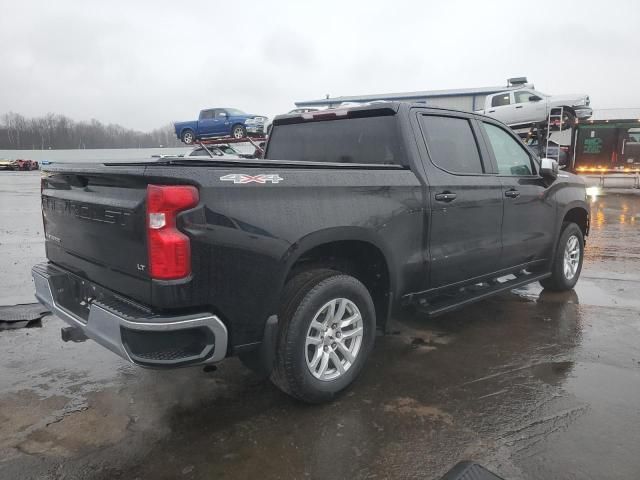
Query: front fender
column 570, row 206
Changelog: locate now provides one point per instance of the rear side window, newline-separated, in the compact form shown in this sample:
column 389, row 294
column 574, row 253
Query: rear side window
column 351, row 140
column 500, row 100
column 452, row 144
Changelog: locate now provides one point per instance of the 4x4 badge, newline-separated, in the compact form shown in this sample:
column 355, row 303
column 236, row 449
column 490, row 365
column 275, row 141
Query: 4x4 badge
column 242, row 178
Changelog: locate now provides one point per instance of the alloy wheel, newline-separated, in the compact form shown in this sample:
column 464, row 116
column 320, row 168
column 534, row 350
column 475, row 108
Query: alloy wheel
column 334, row 339
column 571, row 257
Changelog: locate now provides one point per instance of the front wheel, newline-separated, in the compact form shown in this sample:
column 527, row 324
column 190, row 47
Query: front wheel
column 567, row 263
column 239, row 131
column 327, row 333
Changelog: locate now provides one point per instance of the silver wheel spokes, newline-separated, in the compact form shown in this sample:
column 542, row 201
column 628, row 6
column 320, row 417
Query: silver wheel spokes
column 571, row 257
column 334, row 338
column 237, row 133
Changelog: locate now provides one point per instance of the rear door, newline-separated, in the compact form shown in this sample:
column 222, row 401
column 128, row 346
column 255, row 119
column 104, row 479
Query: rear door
column 207, row 122
column 529, row 214
column 465, row 197
column 502, row 107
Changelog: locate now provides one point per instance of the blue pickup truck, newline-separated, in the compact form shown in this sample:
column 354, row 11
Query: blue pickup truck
column 220, row 122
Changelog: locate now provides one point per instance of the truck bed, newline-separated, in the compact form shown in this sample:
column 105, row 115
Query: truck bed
column 244, row 231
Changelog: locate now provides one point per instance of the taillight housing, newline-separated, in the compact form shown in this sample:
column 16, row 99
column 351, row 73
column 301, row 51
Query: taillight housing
column 169, row 248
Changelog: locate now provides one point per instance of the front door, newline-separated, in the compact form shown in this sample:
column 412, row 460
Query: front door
column 221, row 120
column 465, row 198
column 629, row 147
column 529, row 218
column 527, row 111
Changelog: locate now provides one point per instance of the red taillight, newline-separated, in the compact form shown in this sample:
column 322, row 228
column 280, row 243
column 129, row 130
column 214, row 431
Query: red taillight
column 169, row 249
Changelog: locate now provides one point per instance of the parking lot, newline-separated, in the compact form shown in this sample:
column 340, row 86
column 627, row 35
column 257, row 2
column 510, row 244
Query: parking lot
column 531, row 384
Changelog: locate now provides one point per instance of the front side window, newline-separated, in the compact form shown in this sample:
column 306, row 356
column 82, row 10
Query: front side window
column 452, row 144
column 523, row 96
column 501, row 100
column 511, row 157
column 234, row 112
column 634, row 134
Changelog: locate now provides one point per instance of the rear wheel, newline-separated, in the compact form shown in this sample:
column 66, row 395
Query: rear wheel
column 188, row 137
column 567, row 263
column 326, row 335
column 568, row 118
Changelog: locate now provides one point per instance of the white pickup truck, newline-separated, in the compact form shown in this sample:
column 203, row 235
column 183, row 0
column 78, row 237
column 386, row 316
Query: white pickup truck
column 523, row 107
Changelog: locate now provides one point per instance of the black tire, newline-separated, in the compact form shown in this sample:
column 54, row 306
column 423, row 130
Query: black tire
column 188, row 137
column 559, row 281
column 568, row 118
column 238, row 131
column 304, row 297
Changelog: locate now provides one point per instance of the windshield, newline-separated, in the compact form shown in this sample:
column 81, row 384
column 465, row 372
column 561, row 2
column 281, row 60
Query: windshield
column 234, row 112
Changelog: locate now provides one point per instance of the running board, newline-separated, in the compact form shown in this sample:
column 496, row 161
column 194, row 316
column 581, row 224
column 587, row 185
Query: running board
column 473, row 293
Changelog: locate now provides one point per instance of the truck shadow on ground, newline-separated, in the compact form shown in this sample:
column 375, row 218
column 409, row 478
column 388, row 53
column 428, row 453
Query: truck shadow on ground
column 463, row 385
column 510, row 354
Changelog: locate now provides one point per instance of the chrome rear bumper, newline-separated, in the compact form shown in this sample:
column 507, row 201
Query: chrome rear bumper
column 133, row 333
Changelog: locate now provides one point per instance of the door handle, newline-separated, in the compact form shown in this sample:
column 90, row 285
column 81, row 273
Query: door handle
column 491, row 111
column 445, row 196
column 512, row 193
column 519, row 106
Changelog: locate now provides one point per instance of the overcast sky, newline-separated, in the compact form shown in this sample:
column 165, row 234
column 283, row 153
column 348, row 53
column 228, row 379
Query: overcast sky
column 143, row 64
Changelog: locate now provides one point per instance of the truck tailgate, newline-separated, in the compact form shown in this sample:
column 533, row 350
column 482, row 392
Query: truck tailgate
column 95, row 226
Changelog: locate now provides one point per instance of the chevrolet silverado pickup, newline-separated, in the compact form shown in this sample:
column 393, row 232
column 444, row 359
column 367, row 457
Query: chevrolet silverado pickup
column 294, row 261
column 220, row 122
column 524, row 107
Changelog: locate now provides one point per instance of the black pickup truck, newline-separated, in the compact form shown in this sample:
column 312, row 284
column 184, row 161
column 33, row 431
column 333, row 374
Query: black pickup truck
column 294, row 261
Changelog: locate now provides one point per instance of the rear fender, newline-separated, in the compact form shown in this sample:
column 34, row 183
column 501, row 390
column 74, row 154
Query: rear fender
column 187, row 126
column 338, row 234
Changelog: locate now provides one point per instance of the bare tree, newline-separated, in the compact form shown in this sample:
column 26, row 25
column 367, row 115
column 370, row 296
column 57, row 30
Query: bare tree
column 59, row 132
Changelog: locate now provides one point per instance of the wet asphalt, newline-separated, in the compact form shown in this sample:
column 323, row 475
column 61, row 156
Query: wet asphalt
column 531, row 384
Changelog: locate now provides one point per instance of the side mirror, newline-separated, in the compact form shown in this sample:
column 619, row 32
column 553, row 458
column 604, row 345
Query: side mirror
column 222, row 114
column 534, row 98
column 549, row 168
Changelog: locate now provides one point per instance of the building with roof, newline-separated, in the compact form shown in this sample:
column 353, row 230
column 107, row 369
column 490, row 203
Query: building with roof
column 469, row 99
